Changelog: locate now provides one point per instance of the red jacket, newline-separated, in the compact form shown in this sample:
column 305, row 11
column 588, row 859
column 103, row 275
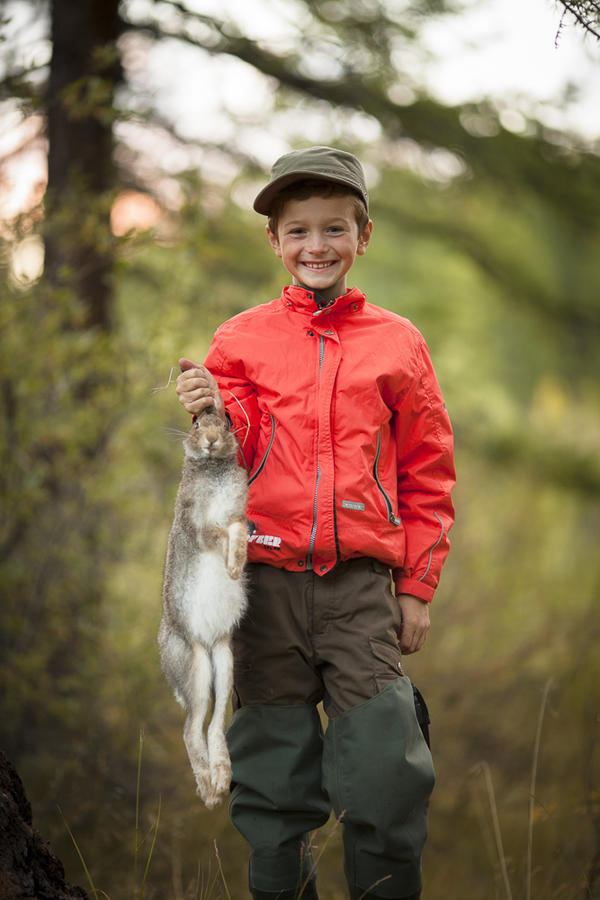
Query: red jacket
column 345, row 435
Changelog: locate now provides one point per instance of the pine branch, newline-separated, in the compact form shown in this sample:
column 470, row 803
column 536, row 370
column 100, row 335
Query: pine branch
column 586, row 12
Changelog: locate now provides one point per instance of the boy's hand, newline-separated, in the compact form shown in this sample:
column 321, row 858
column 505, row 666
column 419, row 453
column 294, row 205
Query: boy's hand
column 415, row 623
column 197, row 389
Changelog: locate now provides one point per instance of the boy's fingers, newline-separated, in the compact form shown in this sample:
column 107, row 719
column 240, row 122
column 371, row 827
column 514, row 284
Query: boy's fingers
column 415, row 623
column 194, row 389
column 197, row 406
column 412, row 643
column 185, row 364
column 192, row 374
column 190, row 382
column 197, row 389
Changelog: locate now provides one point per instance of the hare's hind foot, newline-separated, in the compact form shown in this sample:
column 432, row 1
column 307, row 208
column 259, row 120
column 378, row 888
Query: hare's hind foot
column 213, row 782
column 204, row 787
column 220, row 781
column 220, row 776
column 211, row 800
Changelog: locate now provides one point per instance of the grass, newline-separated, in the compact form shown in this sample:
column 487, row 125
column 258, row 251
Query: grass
column 484, row 769
column 138, row 889
column 212, row 885
column 93, row 888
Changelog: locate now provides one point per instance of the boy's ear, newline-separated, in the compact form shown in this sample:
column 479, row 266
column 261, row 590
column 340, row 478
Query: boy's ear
column 274, row 242
column 364, row 238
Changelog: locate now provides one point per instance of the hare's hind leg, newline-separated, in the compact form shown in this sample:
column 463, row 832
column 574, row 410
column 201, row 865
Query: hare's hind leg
column 193, row 732
column 237, row 549
column 220, row 765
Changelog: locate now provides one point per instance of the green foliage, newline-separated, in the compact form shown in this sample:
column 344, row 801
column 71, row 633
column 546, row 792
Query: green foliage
column 89, row 472
column 51, row 454
column 496, row 263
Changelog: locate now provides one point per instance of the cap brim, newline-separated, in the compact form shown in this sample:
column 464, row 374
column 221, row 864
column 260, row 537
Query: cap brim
column 264, row 200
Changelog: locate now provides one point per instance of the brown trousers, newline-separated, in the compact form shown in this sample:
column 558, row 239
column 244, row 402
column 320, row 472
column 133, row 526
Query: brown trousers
column 307, row 638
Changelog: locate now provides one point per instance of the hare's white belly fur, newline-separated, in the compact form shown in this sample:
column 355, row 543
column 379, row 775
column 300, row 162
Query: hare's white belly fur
column 211, row 602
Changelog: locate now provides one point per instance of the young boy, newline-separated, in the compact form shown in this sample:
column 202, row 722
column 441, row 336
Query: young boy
column 349, row 453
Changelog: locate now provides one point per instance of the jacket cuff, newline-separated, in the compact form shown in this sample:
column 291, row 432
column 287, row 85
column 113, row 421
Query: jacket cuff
column 414, row 587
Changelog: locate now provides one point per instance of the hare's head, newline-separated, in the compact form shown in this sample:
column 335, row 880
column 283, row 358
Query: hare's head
column 209, row 438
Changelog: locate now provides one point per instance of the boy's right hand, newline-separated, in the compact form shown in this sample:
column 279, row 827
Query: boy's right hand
column 197, row 389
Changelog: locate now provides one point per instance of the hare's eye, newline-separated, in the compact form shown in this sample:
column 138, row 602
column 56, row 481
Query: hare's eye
column 196, row 424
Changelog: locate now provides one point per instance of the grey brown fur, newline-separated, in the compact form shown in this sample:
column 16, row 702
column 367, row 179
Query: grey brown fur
column 203, row 594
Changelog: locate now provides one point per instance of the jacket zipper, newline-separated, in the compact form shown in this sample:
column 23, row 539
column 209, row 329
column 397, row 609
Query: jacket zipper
column 267, row 451
column 434, row 546
column 388, row 503
column 313, row 533
column 335, row 530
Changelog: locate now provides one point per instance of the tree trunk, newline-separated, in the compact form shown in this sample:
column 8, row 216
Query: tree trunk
column 84, row 72
column 28, row 866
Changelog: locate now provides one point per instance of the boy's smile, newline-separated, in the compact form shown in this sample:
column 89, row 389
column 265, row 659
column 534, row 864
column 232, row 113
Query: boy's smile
column 317, row 240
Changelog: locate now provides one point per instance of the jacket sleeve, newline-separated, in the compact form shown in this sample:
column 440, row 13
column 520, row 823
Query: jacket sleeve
column 239, row 396
column 426, row 477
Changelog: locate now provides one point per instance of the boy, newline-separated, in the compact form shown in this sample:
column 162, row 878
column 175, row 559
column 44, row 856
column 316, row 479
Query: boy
column 349, row 452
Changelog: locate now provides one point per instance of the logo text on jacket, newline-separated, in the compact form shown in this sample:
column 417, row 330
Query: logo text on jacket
column 269, row 540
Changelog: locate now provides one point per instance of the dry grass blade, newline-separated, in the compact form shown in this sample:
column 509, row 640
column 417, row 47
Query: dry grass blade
column 137, row 810
column 151, row 851
column 93, row 888
column 485, row 769
column 367, row 893
column 534, row 768
column 218, row 855
column 163, row 387
column 304, row 884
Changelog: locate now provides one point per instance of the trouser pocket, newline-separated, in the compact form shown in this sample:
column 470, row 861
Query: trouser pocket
column 387, row 662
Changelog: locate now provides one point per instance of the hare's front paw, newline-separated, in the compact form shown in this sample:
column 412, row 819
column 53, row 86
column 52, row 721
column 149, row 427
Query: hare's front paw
column 237, row 550
column 236, row 562
column 235, row 570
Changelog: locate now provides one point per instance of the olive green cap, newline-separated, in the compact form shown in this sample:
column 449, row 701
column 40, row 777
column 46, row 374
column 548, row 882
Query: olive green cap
column 322, row 163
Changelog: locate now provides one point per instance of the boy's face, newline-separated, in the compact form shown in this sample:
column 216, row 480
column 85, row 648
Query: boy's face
column 317, row 240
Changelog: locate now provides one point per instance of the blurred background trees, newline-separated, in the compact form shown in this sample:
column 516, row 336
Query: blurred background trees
column 136, row 246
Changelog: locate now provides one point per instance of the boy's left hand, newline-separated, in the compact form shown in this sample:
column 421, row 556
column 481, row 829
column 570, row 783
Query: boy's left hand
column 415, row 623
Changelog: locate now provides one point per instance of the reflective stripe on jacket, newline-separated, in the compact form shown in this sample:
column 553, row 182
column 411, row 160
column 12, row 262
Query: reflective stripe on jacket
column 345, row 435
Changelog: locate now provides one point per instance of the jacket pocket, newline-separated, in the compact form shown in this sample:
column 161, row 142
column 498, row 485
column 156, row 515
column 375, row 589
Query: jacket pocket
column 387, row 662
column 263, row 461
column 395, row 520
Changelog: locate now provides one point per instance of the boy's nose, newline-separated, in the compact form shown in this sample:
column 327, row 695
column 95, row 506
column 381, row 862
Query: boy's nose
column 315, row 243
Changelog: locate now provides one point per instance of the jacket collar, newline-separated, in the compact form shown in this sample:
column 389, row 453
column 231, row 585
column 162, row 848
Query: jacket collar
column 301, row 299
